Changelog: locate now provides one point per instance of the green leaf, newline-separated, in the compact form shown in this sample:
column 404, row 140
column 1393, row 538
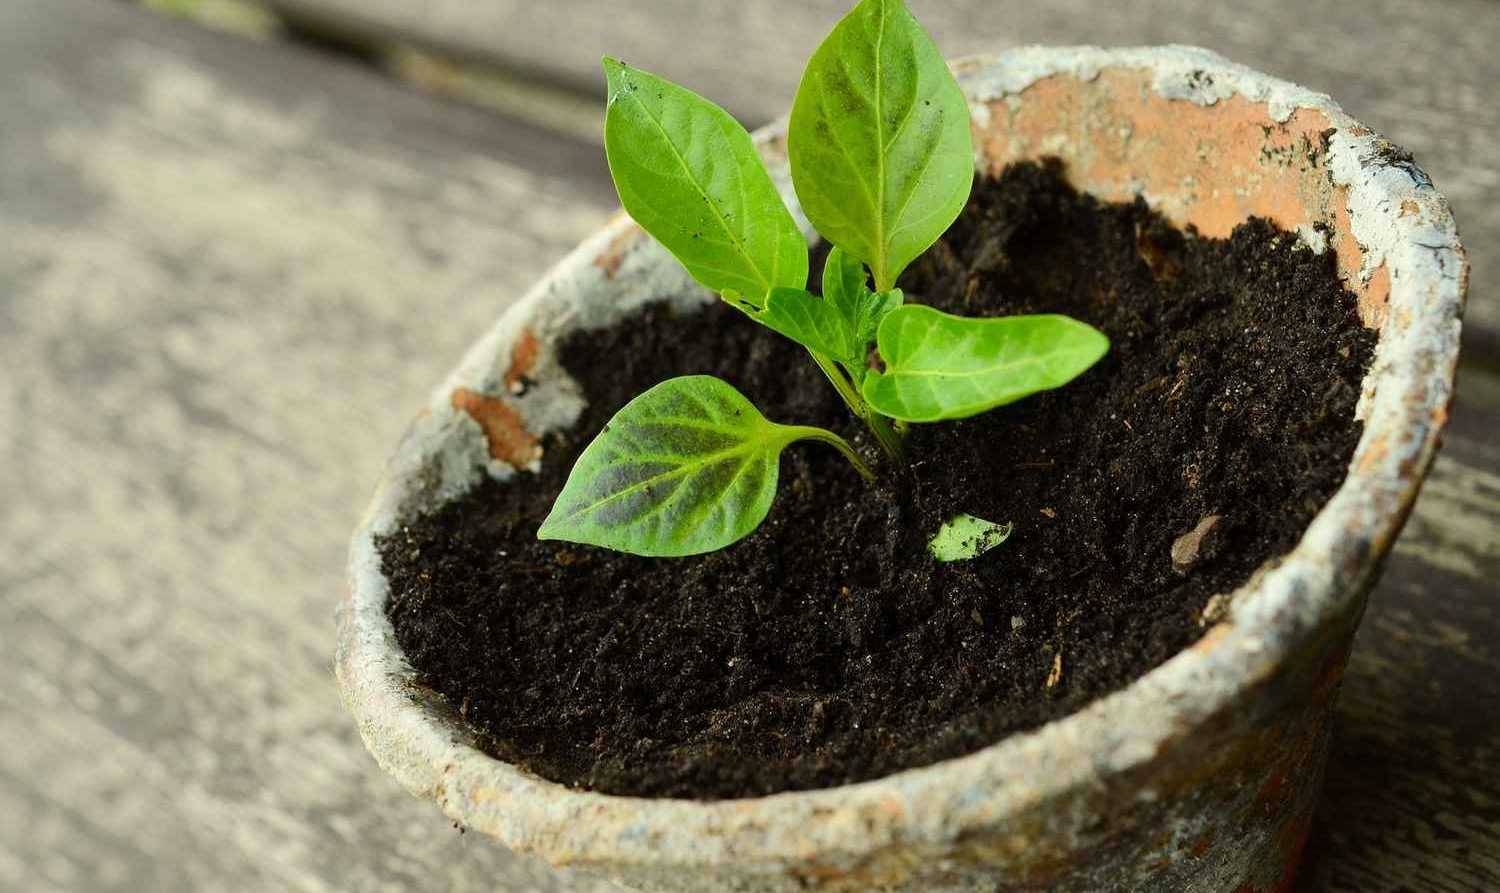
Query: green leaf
column 873, row 311
column 810, row 321
column 965, row 537
column 939, row 366
column 881, row 153
column 689, row 466
column 845, row 287
column 844, row 282
column 690, row 176
column 867, row 323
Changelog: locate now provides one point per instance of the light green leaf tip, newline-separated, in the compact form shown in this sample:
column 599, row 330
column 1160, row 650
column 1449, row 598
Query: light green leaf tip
column 965, row 537
column 939, row 366
column 879, row 139
column 690, row 175
column 689, row 466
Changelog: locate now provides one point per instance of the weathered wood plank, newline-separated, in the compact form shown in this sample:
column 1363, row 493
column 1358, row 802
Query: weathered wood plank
column 229, row 270
column 1423, row 77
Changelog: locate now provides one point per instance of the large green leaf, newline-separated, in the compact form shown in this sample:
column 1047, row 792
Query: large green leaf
column 689, row 466
column 881, row 153
column 940, row 366
column 690, row 176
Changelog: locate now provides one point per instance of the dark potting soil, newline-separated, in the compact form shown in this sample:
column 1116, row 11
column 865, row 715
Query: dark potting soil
column 828, row 647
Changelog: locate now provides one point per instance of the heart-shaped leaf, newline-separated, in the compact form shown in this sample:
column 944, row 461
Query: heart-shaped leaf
column 940, row 366
column 690, row 176
column 964, row 537
column 879, row 142
column 689, row 466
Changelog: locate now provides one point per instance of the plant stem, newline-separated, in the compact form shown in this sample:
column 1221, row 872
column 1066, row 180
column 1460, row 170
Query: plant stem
column 838, row 443
column 878, row 424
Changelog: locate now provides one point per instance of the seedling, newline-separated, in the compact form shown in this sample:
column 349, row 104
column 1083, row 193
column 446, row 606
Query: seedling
column 882, row 162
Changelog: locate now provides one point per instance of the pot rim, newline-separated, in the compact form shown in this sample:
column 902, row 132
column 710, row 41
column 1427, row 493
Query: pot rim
column 415, row 737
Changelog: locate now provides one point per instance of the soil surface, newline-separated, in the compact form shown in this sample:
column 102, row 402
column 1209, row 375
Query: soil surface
column 828, row 647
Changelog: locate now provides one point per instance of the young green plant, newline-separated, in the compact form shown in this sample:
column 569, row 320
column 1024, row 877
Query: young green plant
column 882, row 161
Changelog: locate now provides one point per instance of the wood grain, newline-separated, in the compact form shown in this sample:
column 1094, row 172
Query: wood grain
column 1425, row 78
column 231, row 270
column 230, row 274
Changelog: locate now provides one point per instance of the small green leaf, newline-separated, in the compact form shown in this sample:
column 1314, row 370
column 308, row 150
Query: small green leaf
column 965, row 537
column 845, row 286
column 881, row 153
column 810, row 321
column 691, row 177
column 940, row 366
column 844, row 281
column 689, row 466
column 867, row 323
column 873, row 311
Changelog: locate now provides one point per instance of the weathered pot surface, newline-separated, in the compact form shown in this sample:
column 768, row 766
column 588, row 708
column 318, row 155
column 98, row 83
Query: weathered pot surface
column 1201, row 775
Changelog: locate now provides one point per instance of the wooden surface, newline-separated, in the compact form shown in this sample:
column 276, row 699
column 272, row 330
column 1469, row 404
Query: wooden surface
column 230, row 272
column 1424, row 75
column 1412, row 803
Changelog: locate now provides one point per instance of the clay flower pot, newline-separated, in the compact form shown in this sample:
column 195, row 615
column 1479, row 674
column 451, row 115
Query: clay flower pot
column 1201, row 775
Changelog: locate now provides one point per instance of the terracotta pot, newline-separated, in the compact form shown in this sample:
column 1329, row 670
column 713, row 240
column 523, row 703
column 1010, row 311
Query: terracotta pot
column 1203, row 774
